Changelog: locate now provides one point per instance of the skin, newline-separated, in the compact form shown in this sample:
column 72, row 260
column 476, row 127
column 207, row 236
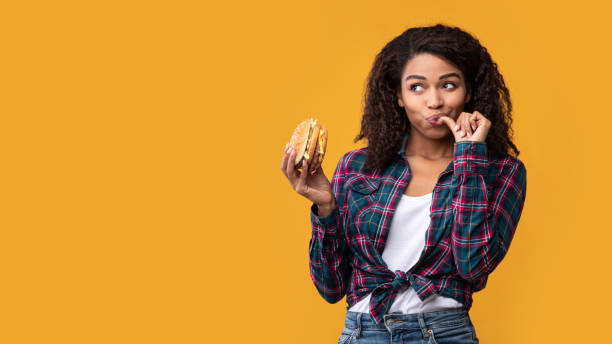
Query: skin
column 423, row 94
column 430, row 148
column 430, row 85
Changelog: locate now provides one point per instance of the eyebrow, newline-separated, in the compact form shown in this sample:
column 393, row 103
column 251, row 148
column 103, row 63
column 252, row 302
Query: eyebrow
column 441, row 76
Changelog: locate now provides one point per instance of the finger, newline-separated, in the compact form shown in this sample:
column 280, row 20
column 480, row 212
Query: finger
column 291, row 174
column 450, row 123
column 304, row 173
column 473, row 123
column 460, row 126
column 454, row 126
column 461, row 122
column 481, row 120
column 301, row 187
column 479, row 117
column 284, row 159
column 320, row 171
column 466, row 125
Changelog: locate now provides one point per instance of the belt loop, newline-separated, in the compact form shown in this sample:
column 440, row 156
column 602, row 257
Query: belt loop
column 422, row 324
column 359, row 324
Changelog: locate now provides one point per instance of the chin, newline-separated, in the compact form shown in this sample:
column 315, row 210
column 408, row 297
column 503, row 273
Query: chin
column 438, row 133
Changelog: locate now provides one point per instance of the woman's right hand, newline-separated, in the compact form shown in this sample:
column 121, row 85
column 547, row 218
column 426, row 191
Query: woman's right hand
column 315, row 187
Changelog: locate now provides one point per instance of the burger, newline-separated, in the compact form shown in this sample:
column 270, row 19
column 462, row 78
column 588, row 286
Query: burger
column 309, row 141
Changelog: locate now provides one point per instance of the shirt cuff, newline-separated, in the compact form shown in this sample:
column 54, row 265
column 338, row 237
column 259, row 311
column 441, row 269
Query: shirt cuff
column 471, row 157
column 325, row 224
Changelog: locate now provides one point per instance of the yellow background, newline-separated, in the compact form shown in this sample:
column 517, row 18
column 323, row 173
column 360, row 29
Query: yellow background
column 142, row 200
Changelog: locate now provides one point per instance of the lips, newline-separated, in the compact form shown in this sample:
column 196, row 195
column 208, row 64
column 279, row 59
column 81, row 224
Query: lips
column 434, row 118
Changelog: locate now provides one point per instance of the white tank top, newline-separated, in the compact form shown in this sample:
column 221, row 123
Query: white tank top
column 405, row 242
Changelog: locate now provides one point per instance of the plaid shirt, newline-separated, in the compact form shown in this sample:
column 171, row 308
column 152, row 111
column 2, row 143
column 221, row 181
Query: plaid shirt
column 476, row 206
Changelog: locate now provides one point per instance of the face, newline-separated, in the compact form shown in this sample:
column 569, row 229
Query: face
column 432, row 85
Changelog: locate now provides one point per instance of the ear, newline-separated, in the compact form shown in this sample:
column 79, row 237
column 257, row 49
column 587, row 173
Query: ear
column 399, row 100
column 468, row 96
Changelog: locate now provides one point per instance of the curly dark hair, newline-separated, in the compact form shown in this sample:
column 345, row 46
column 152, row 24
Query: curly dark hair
column 384, row 122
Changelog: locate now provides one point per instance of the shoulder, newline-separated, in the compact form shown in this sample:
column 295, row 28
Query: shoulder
column 352, row 161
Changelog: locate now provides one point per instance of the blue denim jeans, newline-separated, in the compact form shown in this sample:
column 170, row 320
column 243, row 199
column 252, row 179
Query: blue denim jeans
column 441, row 327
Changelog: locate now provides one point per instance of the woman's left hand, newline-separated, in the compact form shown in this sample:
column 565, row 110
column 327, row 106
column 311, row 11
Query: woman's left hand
column 469, row 126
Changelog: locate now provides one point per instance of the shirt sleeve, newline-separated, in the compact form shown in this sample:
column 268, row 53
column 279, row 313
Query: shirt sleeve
column 485, row 216
column 329, row 255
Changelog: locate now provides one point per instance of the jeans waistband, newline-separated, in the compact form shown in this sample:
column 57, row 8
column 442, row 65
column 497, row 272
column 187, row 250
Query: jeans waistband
column 391, row 321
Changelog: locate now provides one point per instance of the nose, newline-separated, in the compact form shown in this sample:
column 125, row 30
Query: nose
column 434, row 99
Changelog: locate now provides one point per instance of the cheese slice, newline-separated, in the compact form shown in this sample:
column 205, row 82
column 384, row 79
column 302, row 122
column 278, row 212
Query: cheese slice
column 313, row 123
column 321, row 141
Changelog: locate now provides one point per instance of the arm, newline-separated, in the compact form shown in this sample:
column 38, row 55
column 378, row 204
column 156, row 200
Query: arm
column 328, row 250
column 485, row 219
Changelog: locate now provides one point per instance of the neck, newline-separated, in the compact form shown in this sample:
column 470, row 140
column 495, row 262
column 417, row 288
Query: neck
column 428, row 148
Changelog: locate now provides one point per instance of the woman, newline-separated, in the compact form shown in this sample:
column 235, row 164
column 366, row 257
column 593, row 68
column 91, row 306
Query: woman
column 411, row 225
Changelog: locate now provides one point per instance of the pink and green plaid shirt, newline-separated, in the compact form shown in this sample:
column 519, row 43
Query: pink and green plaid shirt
column 476, row 206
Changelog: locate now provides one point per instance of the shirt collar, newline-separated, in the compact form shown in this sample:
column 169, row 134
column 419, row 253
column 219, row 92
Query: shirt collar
column 403, row 147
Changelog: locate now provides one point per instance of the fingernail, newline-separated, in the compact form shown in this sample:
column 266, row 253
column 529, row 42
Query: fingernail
column 461, row 132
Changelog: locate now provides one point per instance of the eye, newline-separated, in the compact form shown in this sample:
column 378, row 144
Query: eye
column 413, row 86
column 450, row 83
